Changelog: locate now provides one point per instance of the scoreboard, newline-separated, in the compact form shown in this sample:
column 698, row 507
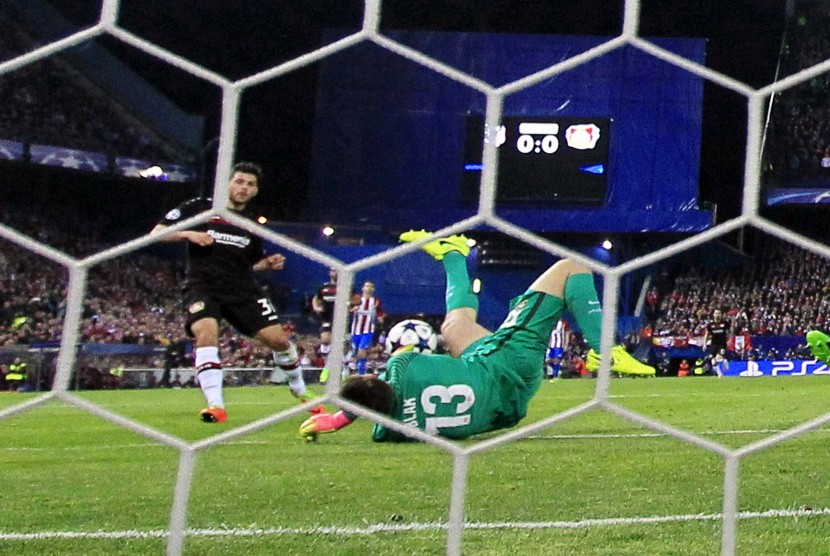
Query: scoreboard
column 544, row 160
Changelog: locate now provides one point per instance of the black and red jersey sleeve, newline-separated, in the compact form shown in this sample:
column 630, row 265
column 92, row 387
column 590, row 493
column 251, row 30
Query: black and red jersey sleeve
column 186, row 210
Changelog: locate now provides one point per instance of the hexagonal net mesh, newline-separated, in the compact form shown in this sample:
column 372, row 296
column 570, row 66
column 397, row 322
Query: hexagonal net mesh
column 232, row 90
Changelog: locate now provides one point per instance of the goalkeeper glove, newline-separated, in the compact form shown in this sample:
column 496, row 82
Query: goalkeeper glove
column 323, row 423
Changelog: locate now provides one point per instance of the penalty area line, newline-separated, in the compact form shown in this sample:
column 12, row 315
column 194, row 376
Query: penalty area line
column 406, row 527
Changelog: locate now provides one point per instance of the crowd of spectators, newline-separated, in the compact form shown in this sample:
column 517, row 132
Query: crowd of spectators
column 128, row 300
column 783, row 291
column 133, row 299
column 798, row 142
column 48, row 102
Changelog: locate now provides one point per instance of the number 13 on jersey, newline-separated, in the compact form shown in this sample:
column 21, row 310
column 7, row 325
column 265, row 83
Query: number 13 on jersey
column 435, row 398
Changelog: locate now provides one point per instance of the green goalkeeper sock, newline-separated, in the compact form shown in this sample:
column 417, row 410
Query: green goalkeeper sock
column 459, row 290
column 582, row 302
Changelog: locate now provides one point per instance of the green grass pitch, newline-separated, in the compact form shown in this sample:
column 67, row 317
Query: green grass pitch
column 73, row 483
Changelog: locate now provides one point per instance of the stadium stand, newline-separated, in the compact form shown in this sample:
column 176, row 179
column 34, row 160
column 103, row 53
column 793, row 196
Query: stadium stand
column 134, row 300
column 798, row 137
column 131, row 301
column 780, row 292
column 51, row 103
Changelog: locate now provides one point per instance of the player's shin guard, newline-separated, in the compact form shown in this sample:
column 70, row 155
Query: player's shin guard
column 209, row 371
column 210, row 381
column 289, row 362
column 288, row 359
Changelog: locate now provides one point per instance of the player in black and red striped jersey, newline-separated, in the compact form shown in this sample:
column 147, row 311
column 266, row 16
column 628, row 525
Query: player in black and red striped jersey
column 323, row 301
column 220, row 283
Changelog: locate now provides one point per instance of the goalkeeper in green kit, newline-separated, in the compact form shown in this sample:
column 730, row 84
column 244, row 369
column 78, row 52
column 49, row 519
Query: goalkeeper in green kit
column 819, row 344
column 487, row 379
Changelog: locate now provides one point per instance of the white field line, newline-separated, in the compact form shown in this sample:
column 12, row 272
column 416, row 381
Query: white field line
column 119, row 446
column 730, row 395
column 654, row 434
column 569, row 397
column 532, row 437
column 405, row 527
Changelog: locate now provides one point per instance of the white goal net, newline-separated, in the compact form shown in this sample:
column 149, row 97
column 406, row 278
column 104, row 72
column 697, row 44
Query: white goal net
column 232, row 90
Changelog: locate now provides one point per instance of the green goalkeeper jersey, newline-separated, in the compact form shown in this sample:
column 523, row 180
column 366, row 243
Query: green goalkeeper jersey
column 486, row 389
column 449, row 397
column 453, row 398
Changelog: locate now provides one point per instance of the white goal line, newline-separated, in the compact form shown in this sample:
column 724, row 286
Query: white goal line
column 407, row 527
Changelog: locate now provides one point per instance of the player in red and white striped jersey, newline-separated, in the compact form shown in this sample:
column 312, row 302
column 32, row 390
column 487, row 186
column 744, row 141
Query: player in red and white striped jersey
column 556, row 348
column 367, row 311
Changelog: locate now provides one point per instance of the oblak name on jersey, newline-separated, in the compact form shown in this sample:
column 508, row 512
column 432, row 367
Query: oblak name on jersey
column 409, row 413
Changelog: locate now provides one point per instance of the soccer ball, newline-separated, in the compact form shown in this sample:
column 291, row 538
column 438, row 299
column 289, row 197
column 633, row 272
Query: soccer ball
column 412, row 332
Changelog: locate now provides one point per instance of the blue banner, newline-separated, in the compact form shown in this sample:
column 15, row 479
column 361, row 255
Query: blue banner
column 69, row 158
column 798, row 195
column 130, row 167
column 797, row 367
column 11, row 150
